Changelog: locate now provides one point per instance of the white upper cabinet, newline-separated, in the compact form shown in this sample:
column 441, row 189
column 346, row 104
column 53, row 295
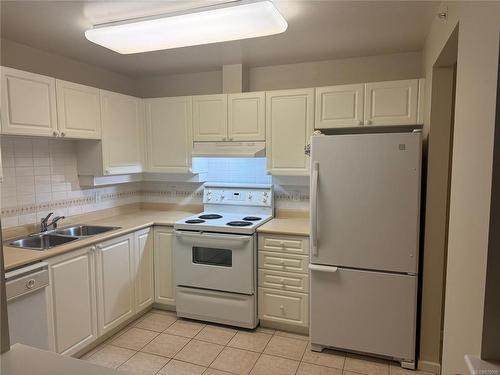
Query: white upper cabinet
column 289, row 125
column 122, row 133
column 391, row 103
column 78, row 110
column 339, row 106
column 28, row 103
column 246, row 116
column 421, row 101
column 210, row 117
column 169, row 137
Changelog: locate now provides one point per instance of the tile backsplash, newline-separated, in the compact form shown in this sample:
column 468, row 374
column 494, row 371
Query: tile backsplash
column 40, row 176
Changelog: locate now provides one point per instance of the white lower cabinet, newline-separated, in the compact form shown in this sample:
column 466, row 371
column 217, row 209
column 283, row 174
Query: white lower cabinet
column 284, row 307
column 115, row 282
column 284, row 281
column 164, row 270
column 95, row 289
column 72, row 301
column 144, row 273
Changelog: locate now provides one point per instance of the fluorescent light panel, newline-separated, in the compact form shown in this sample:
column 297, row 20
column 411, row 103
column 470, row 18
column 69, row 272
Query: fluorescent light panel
column 248, row 20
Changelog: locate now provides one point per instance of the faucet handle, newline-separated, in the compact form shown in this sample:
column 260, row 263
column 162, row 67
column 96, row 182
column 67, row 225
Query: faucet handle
column 46, row 218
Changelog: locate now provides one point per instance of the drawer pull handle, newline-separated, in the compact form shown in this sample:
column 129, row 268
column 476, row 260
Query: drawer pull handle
column 282, row 308
column 30, row 283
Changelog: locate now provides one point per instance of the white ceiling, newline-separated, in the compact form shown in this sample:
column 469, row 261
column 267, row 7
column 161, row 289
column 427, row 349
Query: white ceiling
column 318, row 30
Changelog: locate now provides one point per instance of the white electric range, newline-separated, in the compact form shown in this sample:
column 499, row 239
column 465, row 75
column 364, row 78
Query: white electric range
column 215, row 254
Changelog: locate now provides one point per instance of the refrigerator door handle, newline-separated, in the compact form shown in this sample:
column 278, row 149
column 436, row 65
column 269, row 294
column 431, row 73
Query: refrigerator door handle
column 317, row 267
column 314, row 203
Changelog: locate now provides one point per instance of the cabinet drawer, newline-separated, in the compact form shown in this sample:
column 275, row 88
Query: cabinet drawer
column 284, row 307
column 284, row 244
column 294, row 282
column 283, row 262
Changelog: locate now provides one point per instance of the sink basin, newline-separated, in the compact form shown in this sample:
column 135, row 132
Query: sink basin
column 84, row 230
column 41, row 242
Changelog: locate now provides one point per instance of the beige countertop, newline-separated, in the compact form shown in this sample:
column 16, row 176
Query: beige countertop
column 130, row 222
column 283, row 225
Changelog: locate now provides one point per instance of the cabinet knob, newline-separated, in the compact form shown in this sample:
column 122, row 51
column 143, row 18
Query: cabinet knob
column 231, row 138
column 93, row 248
column 30, row 283
column 282, row 308
column 63, row 134
column 55, row 133
column 360, row 123
column 369, row 122
column 107, row 171
column 99, row 247
column 224, row 138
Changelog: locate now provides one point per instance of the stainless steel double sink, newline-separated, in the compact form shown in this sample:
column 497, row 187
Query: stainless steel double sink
column 57, row 237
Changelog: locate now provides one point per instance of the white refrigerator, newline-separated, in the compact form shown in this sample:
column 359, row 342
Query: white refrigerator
column 365, row 205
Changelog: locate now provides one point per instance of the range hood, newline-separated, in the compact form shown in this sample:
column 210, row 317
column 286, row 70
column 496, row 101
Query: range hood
column 230, row 149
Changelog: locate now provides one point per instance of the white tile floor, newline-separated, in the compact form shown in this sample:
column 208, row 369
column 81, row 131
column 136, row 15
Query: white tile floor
column 159, row 343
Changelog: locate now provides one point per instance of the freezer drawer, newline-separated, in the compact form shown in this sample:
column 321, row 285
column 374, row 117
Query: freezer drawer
column 363, row 311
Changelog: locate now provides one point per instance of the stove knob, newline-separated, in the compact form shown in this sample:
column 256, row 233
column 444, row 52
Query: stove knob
column 209, row 198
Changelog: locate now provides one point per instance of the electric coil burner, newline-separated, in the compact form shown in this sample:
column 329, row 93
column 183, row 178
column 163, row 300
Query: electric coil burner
column 195, row 221
column 239, row 223
column 252, row 218
column 210, row 216
column 215, row 255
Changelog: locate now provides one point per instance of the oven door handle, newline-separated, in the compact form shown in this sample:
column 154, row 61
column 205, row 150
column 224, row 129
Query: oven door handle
column 211, row 236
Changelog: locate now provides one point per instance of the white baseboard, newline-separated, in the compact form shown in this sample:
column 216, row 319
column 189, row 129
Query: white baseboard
column 427, row 366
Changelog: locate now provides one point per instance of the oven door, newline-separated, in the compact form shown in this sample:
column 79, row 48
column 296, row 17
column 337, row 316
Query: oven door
column 216, row 261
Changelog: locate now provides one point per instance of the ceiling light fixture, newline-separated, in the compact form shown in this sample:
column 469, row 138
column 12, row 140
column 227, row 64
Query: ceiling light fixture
column 220, row 23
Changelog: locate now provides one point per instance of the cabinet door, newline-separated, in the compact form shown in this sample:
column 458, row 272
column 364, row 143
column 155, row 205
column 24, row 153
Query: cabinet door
column 144, row 278
column 78, row 110
column 289, row 125
column 122, row 133
column 28, row 103
column 210, row 117
column 246, row 116
column 284, row 307
column 339, row 106
column 169, row 134
column 391, row 102
column 115, row 282
column 164, row 267
column 72, row 301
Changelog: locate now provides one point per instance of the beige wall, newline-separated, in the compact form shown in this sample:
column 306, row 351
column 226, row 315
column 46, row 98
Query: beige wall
column 181, row 84
column 478, row 47
column 310, row 74
column 337, row 72
column 23, row 57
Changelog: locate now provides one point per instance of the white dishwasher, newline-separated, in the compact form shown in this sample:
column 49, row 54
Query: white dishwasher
column 26, row 290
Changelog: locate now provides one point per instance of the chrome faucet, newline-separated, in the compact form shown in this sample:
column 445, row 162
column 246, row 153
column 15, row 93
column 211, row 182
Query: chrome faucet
column 45, row 225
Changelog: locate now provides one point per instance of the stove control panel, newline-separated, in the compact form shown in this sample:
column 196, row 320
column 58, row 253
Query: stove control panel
column 262, row 196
